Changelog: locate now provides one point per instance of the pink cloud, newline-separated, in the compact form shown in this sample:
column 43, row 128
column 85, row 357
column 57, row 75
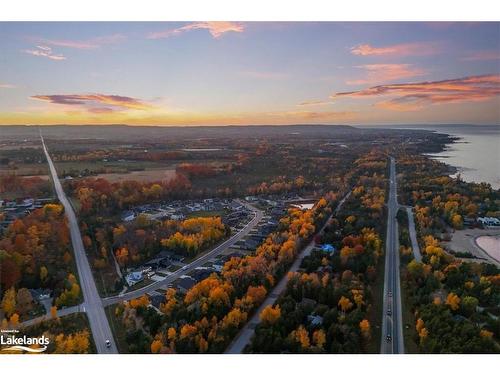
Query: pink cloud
column 95, row 103
column 216, row 29
column 376, row 73
column 406, row 49
column 45, row 51
column 482, row 56
column 92, row 43
column 411, row 96
column 7, row 86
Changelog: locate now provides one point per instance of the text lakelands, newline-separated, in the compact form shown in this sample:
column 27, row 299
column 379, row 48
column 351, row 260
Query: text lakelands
column 24, row 340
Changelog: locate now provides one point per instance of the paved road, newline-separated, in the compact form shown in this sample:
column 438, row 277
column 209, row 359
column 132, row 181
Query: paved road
column 95, row 311
column 244, row 336
column 392, row 323
column 191, row 266
column 48, row 316
column 413, row 235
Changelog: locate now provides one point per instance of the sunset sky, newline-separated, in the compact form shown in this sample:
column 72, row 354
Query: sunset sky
column 222, row 73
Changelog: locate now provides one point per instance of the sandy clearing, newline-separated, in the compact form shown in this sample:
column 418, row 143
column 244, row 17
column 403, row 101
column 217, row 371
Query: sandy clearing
column 465, row 240
column 490, row 244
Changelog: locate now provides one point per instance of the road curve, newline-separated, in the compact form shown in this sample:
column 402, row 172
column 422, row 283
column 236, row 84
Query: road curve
column 191, row 266
column 92, row 302
column 246, row 333
column 392, row 322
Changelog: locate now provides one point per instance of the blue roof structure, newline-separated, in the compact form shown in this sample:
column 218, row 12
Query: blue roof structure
column 328, row 248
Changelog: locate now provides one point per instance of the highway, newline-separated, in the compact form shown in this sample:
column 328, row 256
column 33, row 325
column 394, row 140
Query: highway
column 246, row 333
column 392, row 330
column 413, row 235
column 93, row 306
column 191, row 266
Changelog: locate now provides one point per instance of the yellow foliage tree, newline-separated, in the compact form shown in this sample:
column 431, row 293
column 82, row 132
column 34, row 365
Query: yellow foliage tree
column 156, row 346
column 301, row 336
column 453, row 301
column 345, row 304
column 270, row 315
column 486, row 334
column 9, row 302
column 364, row 326
column 319, row 338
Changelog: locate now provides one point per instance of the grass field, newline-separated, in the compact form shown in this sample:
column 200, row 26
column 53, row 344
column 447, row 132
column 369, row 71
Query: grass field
column 145, row 176
column 28, row 170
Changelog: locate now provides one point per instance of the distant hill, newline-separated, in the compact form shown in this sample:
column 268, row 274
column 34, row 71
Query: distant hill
column 123, row 132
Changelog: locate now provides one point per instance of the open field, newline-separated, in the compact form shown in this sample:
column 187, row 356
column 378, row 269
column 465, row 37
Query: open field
column 145, row 176
column 26, row 170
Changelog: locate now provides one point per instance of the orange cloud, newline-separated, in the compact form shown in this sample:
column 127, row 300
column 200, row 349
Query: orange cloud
column 95, row 103
column 411, row 96
column 216, row 29
column 386, row 72
column 406, row 49
column 44, row 51
column 315, row 103
column 84, row 44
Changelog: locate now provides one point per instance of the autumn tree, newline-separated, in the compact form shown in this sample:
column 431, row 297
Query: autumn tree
column 453, row 301
column 301, row 336
column 24, row 301
column 9, row 302
column 345, row 304
column 319, row 338
column 364, row 326
column 270, row 314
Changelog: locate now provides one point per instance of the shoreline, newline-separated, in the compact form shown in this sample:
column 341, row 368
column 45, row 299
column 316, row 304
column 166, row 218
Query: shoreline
column 492, row 248
column 456, row 160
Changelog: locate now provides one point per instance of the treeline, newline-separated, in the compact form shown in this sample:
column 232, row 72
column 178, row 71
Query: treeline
column 19, row 186
column 98, row 196
column 35, row 252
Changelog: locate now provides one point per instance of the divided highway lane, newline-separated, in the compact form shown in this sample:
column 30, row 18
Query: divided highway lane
column 191, row 266
column 92, row 301
column 392, row 331
column 413, row 235
column 246, row 333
